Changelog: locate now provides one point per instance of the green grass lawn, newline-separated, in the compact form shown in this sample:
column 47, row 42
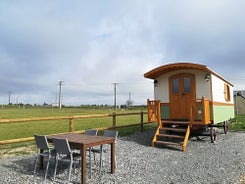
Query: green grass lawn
column 18, row 130
column 237, row 123
column 27, row 129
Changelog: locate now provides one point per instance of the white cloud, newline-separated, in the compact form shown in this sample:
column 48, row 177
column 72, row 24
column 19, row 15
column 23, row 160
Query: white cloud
column 90, row 45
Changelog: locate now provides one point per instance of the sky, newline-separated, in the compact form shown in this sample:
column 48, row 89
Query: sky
column 93, row 46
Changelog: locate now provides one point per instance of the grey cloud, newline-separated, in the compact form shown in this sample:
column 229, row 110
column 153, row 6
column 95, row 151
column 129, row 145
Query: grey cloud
column 94, row 44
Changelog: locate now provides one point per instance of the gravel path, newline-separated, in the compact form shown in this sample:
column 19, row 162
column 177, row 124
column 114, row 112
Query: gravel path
column 137, row 162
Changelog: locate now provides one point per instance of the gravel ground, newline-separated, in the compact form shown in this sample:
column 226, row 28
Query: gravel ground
column 137, row 162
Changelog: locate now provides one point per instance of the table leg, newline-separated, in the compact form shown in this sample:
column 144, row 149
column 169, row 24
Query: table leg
column 83, row 164
column 41, row 160
column 112, row 158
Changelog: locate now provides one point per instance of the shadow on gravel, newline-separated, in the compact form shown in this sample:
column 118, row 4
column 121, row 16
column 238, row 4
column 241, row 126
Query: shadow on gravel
column 23, row 165
column 143, row 138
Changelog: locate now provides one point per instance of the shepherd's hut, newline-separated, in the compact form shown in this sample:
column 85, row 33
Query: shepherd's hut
column 188, row 97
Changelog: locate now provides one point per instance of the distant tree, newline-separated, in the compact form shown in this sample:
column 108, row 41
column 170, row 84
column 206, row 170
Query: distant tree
column 129, row 103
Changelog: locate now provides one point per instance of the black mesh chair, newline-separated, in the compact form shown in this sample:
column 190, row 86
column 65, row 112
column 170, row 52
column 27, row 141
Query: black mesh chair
column 43, row 150
column 103, row 148
column 90, row 132
column 64, row 154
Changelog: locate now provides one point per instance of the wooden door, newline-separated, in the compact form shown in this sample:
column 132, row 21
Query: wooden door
column 182, row 93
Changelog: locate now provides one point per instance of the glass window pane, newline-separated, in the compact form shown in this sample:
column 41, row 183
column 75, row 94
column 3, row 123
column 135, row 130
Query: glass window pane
column 176, row 85
column 227, row 92
column 187, row 84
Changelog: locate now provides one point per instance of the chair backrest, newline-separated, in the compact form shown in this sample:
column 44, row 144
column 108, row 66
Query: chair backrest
column 111, row 133
column 61, row 146
column 91, row 132
column 41, row 142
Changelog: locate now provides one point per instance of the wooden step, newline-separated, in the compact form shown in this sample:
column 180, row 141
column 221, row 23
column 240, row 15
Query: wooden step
column 172, row 133
column 171, row 136
column 169, row 143
column 174, row 129
column 170, row 122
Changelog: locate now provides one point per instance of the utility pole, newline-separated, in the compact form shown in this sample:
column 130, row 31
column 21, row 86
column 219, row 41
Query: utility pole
column 60, row 84
column 115, row 95
column 10, row 92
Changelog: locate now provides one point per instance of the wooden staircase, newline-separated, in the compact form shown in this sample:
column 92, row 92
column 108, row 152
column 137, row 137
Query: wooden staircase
column 176, row 133
column 172, row 133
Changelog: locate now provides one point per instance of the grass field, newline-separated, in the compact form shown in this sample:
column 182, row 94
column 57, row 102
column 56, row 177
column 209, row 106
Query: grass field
column 27, row 129
column 10, row 131
column 17, row 130
column 238, row 123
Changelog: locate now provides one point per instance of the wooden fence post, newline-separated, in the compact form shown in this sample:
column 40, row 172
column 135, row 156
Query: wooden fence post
column 114, row 119
column 141, row 121
column 71, row 124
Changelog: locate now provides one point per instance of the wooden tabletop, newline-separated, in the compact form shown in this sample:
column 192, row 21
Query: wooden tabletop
column 88, row 140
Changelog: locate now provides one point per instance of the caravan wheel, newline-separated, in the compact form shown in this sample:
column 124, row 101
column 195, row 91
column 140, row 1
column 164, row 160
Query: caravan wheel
column 225, row 127
column 213, row 134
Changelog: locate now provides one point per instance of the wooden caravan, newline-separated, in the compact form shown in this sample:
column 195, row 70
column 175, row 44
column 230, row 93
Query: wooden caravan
column 188, row 97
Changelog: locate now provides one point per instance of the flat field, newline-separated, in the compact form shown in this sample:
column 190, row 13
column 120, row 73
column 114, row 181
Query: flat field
column 27, row 129
column 17, row 130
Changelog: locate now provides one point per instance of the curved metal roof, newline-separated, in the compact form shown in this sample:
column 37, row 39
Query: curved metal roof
column 153, row 74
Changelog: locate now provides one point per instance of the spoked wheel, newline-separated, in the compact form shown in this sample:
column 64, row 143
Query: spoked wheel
column 213, row 134
column 225, row 127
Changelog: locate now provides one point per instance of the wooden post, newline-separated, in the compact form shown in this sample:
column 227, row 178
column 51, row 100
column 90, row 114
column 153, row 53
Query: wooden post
column 71, row 124
column 148, row 110
column 158, row 109
column 206, row 110
column 141, row 121
column 114, row 119
column 191, row 114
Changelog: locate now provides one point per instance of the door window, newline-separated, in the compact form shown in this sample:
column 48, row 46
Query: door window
column 187, row 85
column 176, row 85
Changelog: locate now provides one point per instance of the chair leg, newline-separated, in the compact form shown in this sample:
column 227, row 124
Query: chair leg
column 94, row 158
column 115, row 161
column 35, row 167
column 101, row 160
column 90, row 164
column 56, row 164
column 70, row 168
column 46, row 171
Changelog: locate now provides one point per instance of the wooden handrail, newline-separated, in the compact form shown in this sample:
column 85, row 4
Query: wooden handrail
column 205, row 118
column 186, row 138
column 20, row 120
column 206, row 110
column 153, row 108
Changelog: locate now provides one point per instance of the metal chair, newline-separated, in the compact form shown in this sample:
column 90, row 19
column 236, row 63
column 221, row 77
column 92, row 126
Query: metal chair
column 103, row 149
column 64, row 153
column 43, row 150
column 90, row 132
